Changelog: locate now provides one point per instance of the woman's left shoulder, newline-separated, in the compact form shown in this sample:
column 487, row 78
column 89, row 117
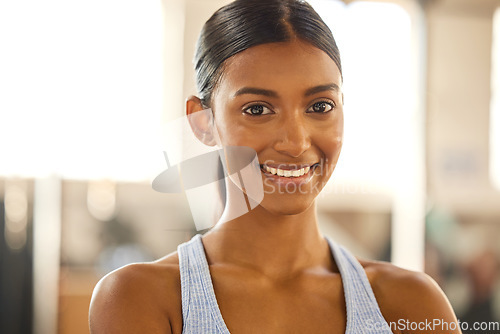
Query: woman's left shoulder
column 389, row 281
column 406, row 296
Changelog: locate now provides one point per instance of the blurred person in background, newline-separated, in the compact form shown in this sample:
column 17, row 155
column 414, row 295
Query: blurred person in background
column 482, row 272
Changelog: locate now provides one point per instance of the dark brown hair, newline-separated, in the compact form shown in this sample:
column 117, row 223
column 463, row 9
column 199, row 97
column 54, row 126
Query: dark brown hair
column 246, row 23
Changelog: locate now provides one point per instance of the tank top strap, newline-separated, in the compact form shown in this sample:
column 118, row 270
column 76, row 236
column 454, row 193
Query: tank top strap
column 200, row 311
column 363, row 311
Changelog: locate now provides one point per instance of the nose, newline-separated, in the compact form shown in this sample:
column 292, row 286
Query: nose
column 293, row 137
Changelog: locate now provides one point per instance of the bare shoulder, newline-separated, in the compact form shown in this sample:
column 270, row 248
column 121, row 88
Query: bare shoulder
column 138, row 298
column 409, row 298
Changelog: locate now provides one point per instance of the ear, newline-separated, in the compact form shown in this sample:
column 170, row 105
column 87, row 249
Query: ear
column 201, row 121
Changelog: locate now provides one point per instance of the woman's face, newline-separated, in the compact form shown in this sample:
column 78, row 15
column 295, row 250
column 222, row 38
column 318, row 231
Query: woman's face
column 284, row 100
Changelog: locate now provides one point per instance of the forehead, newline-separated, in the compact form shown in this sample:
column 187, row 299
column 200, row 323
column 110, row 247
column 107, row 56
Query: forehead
column 287, row 66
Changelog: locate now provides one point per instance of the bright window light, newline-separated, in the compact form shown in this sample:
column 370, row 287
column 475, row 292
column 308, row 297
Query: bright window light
column 495, row 105
column 374, row 39
column 81, row 88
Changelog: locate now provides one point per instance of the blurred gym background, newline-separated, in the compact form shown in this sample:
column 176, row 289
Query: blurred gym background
column 87, row 86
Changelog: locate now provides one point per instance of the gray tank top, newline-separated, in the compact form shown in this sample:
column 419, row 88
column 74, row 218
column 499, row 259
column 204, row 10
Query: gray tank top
column 201, row 313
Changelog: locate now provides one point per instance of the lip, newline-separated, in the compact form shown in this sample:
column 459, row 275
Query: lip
column 285, row 166
column 283, row 180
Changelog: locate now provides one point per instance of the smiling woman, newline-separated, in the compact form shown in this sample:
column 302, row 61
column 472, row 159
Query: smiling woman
column 286, row 104
column 270, row 72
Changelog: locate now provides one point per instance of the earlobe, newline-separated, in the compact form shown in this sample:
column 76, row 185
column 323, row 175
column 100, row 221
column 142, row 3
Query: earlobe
column 201, row 121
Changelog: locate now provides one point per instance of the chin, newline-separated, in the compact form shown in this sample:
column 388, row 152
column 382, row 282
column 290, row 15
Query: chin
column 286, row 207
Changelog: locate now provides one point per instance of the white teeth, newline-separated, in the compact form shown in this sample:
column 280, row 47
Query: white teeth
column 286, row 172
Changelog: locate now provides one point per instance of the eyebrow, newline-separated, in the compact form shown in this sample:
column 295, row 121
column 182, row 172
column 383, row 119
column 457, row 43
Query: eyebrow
column 256, row 91
column 322, row 88
column 272, row 93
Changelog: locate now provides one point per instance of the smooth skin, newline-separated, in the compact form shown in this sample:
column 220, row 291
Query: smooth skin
column 272, row 270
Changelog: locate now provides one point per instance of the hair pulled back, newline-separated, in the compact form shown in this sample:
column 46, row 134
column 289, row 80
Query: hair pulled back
column 245, row 23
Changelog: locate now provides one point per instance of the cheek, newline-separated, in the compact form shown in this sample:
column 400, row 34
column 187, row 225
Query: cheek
column 330, row 143
column 231, row 133
column 330, row 147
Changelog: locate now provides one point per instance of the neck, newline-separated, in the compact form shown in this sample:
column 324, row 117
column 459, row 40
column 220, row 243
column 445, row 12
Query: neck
column 276, row 245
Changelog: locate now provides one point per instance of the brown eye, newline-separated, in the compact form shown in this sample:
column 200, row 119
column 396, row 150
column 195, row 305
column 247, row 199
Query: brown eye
column 256, row 110
column 321, row 107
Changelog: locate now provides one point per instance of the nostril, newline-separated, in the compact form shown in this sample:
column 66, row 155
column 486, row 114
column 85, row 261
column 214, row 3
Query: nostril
column 292, row 148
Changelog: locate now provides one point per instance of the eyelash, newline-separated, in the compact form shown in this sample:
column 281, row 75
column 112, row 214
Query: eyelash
column 256, row 105
column 330, row 103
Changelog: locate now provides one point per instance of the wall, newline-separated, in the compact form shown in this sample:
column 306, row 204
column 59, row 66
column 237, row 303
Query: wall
column 458, row 105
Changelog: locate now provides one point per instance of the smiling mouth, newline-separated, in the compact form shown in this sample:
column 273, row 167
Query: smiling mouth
column 289, row 171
